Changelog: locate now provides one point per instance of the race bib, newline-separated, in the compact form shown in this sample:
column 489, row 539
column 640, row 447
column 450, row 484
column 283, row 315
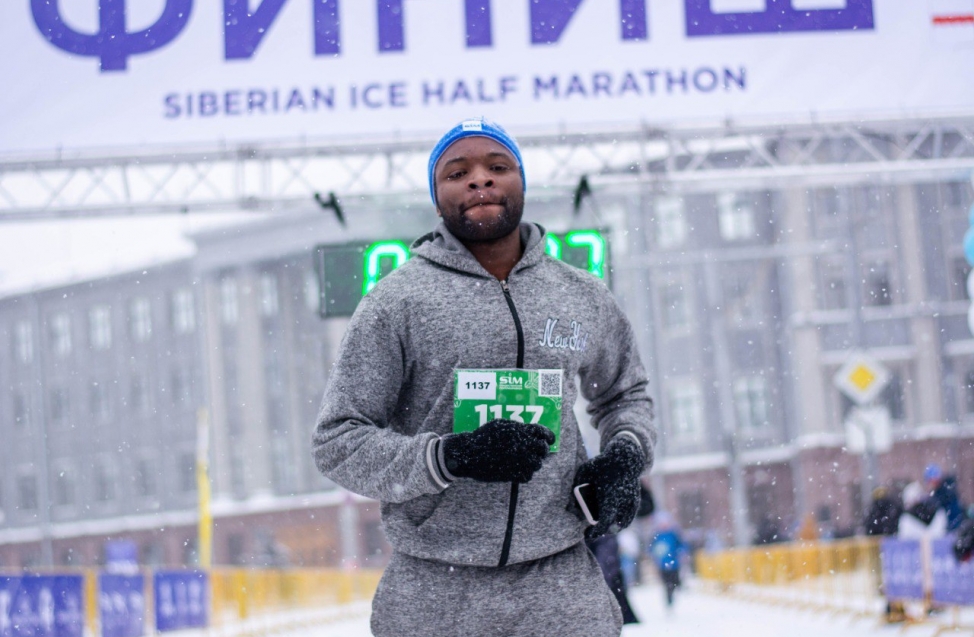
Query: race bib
column 522, row 395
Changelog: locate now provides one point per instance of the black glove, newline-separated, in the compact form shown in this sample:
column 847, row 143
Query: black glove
column 615, row 473
column 499, row 451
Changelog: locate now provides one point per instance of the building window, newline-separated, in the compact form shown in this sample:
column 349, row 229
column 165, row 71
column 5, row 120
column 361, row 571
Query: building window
column 742, row 297
column 229, row 303
column 99, row 404
column 671, row 222
column 751, row 402
column 686, row 412
column 312, row 291
column 187, row 472
column 64, row 483
column 145, row 478
column 138, row 397
column 183, row 311
column 24, row 342
column 832, row 289
column 760, row 501
column 878, row 286
column 21, row 409
column 181, row 388
column 153, row 555
column 100, row 327
column 691, row 508
column 282, row 463
column 61, row 335
column 956, row 194
column 673, row 306
column 27, row 492
column 874, row 219
column 191, row 557
column 969, row 392
column 140, row 319
column 269, row 302
column 959, row 271
column 894, row 397
column 829, row 202
column 104, row 480
column 734, row 219
column 60, row 405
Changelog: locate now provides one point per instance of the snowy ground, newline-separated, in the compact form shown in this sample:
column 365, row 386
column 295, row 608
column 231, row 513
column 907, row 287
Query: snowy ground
column 698, row 612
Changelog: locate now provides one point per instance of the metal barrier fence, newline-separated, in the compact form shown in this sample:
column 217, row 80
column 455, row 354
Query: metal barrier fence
column 843, row 575
column 230, row 601
column 854, row 576
column 241, row 594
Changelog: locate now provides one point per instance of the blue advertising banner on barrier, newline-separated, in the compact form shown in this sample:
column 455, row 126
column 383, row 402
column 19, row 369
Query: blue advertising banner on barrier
column 902, row 569
column 953, row 581
column 41, row 606
column 181, row 600
column 121, row 605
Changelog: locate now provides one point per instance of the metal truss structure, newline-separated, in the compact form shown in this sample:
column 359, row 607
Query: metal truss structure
column 280, row 176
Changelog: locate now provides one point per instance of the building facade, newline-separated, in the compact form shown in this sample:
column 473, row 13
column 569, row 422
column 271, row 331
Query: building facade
column 745, row 302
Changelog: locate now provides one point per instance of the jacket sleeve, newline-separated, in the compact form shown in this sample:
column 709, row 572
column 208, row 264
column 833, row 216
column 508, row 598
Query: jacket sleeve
column 354, row 444
column 614, row 383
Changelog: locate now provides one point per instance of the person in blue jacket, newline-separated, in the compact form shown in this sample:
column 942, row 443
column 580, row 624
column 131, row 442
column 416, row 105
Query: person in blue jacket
column 943, row 489
column 667, row 549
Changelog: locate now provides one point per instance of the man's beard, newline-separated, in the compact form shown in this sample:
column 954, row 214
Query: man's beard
column 466, row 230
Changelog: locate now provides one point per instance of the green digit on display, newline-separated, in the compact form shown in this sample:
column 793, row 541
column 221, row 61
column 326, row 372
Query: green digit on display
column 395, row 250
column 596, row 249
column 552, row 246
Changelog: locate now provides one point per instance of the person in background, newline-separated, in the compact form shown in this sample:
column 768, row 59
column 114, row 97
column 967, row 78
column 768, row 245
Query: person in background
column 944, row 491
column 883, row 519
column 964, row 542
column 667, row 549
column 606, row 551
column 883, row 516
column 629, row 552
column 768, row 531
column 924, row 521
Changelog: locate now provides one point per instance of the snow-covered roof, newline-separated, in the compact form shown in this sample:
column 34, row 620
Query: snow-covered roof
column 38, row 255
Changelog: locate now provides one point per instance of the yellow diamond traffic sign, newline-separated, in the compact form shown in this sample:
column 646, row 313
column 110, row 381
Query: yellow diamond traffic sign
column 862, row 378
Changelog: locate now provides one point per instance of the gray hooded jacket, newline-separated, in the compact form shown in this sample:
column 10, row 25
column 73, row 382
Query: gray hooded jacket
column 389, row 398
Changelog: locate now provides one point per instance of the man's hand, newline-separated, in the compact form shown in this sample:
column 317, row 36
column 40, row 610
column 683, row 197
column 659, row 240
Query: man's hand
column 615, row 474
column 499, row 451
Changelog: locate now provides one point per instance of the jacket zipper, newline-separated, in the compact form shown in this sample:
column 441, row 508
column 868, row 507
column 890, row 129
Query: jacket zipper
column 512, row 506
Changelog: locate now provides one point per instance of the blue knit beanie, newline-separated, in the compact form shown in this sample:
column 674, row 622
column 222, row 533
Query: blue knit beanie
column 477, row 127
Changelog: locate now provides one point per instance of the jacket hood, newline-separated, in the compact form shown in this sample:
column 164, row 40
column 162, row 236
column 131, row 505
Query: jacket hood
column 441, row 247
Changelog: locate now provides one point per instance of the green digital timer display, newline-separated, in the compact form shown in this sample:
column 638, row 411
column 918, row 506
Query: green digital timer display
column 347, row 272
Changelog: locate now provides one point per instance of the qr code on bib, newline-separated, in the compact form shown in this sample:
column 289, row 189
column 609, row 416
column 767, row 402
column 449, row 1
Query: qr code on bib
column 549, row 384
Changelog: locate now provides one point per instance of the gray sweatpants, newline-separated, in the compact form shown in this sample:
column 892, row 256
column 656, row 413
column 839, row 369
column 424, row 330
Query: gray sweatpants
column 562, row 594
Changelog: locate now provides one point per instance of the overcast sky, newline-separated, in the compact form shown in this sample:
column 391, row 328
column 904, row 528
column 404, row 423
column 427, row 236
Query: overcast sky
column 42, row 254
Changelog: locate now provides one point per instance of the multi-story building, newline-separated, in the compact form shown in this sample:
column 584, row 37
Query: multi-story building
column 105, row 390
column 745, row 303
column 100, row 386
column 760, row 297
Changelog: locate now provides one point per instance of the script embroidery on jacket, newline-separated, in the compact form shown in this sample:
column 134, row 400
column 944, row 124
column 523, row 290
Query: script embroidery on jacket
column 575, row 341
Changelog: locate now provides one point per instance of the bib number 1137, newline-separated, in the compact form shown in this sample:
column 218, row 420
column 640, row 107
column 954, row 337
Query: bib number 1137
column 514, row 412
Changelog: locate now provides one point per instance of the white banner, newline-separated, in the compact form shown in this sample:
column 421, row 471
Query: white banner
column 91, row 73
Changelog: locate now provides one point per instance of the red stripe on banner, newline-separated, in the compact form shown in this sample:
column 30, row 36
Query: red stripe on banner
column 953, row 19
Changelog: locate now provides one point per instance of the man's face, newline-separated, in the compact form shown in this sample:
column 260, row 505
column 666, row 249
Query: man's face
column 479, row 192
